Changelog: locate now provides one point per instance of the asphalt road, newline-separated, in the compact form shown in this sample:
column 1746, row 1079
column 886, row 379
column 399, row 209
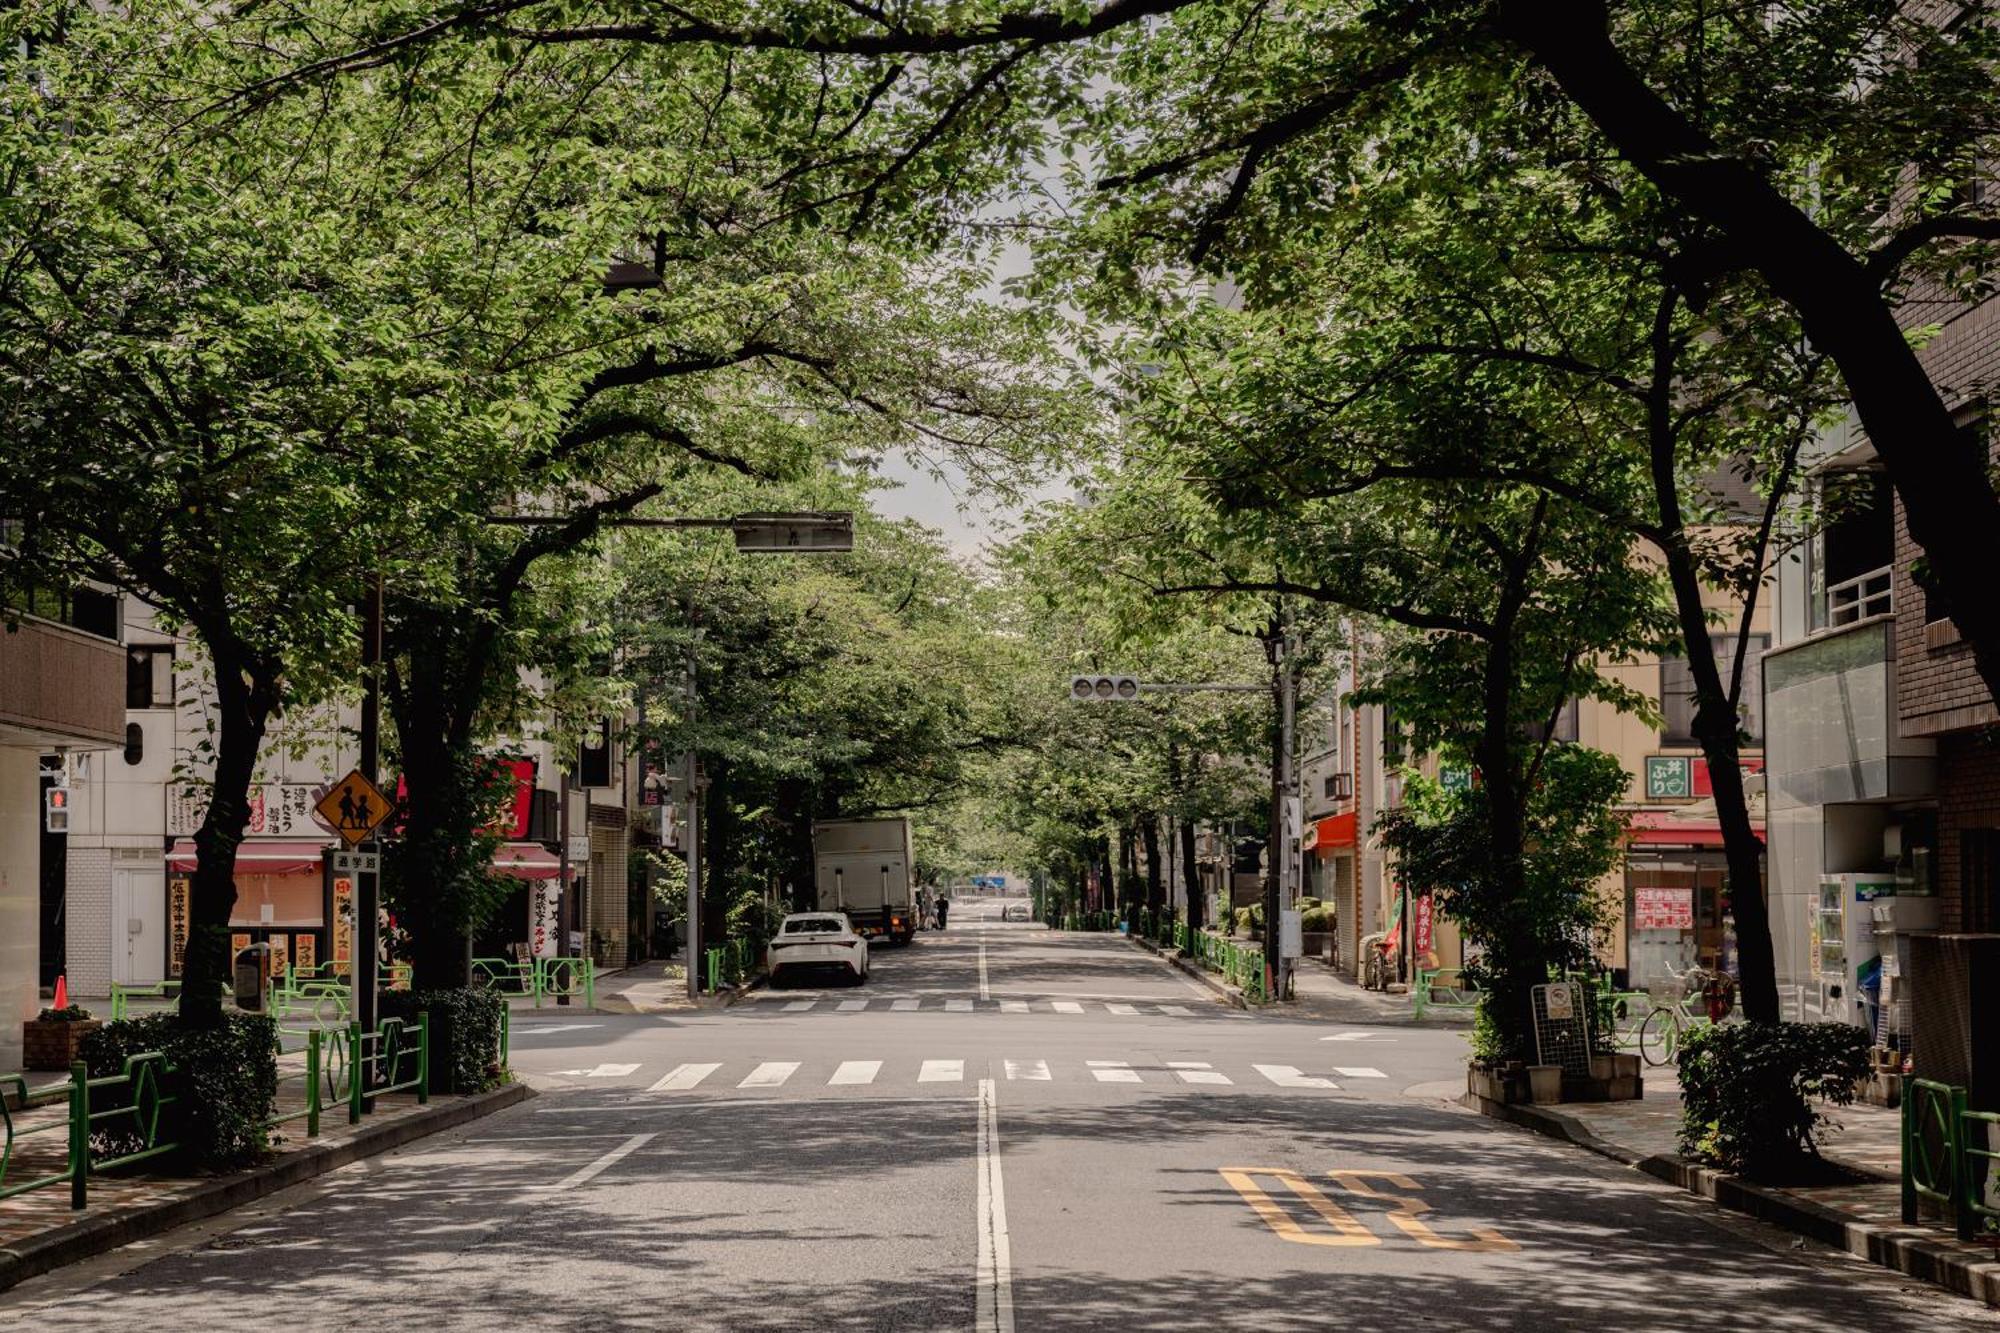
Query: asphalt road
column 1005, row 1129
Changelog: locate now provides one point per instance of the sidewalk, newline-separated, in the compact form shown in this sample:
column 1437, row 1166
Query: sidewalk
column 1862, row 1215
column 40, row 1232
column 1320, row 994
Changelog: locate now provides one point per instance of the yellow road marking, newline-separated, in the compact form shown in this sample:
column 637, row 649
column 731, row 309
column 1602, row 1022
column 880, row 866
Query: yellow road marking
column 1347, row 1231
column 1406, row 1214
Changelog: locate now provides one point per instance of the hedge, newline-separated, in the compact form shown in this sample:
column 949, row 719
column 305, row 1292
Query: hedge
column 225, row 1084
column 465, row 1033
column 1747, row 1092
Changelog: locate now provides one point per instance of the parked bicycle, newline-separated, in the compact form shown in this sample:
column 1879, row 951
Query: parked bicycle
column 1708, row 996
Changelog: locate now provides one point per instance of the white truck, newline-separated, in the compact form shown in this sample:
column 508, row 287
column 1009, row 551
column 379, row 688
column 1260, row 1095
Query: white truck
column 863, row 867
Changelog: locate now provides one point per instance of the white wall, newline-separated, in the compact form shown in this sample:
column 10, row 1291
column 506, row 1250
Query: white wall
column 20, row 898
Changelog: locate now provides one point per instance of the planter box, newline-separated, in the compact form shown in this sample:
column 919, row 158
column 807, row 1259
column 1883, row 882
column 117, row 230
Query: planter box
column 1317, row 943
column 1507, row 1086
column 54, row 1045
column 1545, row 1084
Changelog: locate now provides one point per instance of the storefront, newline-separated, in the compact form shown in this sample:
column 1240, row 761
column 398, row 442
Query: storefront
column 1676, row 900
column 286, row 896
column 1333, row 843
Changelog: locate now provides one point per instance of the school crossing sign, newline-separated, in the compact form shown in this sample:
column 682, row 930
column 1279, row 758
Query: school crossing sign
column 354, row 808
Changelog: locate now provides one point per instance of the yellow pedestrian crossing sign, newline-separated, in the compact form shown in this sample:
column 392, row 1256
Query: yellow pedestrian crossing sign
column 354, row 808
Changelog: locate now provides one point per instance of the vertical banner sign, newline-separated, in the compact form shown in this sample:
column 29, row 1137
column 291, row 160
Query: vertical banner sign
column 177, row 924
column 305, row 952
column 278, row 956
column 543, row 937
column 343, row 922
column 1421, row 943
column 237, row 944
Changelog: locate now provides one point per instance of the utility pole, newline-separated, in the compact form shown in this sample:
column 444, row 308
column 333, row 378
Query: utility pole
column 690, row 778
column 368, row 884
column 1274, row 857
column 565, row 900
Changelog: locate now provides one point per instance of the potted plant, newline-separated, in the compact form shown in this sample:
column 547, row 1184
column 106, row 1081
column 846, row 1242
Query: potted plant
column 53, row 1038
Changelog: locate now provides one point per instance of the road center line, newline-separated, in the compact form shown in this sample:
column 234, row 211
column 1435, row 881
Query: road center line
column 994, row 1303
column 609, row 1159
column 984, row 994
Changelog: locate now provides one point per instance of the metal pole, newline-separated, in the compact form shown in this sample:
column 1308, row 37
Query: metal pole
column 691, row 771
column 1274, row 870
column 1287, row 724
column 564, row 905
column 367, row 886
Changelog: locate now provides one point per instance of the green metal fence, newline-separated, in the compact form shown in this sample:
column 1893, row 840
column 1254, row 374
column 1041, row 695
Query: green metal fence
column 570, row 977
column 146, row 1080
column 1442, row 988
column 507, row 975
column 730, row 963
column 389, row 1059
column 1948, row 1156
column 310, row 1077
column 17, row 1098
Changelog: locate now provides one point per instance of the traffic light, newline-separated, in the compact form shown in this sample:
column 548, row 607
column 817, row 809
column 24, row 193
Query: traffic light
column 1104, row 689
column 55, row 809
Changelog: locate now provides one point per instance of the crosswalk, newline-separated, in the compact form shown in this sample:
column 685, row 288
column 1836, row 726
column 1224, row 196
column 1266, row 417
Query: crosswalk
column 768, row 1074
column 935, row 1004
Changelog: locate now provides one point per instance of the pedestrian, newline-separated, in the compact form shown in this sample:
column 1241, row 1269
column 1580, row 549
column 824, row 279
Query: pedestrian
column 943, row 906
column 923, row 907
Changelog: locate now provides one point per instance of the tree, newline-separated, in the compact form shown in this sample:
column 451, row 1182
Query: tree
column 1787, row 140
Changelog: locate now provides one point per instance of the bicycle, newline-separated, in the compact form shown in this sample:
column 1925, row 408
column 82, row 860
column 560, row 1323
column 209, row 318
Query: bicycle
column 1707, row 997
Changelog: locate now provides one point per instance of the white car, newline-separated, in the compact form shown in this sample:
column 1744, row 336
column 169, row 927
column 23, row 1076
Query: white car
column 1016, row 912
column 815, row 942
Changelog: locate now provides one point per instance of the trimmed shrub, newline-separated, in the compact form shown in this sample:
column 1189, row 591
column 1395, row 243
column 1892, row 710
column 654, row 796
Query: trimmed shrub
column 465, row 1033
column 1315, row 920
column 225, row 1085
column 1747, row 1093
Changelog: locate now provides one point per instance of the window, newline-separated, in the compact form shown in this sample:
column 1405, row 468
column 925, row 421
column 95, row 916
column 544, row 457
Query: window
column 815, row 925
column 1677, row 703
column 149, row 676
column 135, row 742
column 1564, row 729
column 1852, row 556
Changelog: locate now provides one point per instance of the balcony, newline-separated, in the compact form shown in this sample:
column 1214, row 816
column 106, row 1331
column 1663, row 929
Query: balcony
column 1830, row 717
column 60, row 686
column 1860, row 598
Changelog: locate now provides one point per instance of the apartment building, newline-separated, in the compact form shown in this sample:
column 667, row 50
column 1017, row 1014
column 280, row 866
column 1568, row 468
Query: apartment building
column 60, row 669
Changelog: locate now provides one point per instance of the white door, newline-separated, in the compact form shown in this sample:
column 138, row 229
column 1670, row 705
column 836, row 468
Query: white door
column 138, row 926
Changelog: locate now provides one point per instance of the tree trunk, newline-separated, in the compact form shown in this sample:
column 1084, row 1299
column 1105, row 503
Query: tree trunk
column 1941, row 478
column 1149, row 830
column 1191, row 875
column 243, row 707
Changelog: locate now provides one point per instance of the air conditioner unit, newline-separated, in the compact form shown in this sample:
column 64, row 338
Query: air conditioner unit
column 1340, row 786
column 1954, row 994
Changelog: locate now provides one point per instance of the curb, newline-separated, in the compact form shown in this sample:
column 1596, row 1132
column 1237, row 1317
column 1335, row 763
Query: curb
column 1227, row 994
column 1906, row 1250
column 97, row 1235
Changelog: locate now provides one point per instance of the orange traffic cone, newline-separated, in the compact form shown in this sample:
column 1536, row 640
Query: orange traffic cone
column 62, row 991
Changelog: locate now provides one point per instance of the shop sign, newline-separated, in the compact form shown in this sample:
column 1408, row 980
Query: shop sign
column 343, row 922
column 1669, row 777
column 1420, row 935
column 305, row 952
column 178, row 890
column 238, row 942
column 277, row 809
column 1662, row 909
column 1455, row 778
column 546, row 897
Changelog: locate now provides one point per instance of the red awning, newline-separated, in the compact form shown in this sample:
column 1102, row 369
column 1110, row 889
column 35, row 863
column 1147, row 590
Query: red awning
column 1662, row 828
column 257, row 857
column 528, row 860
column 1334, row 832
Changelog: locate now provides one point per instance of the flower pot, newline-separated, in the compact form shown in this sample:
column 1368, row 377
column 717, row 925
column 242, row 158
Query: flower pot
column 1545, row 1084
column 54, row 1043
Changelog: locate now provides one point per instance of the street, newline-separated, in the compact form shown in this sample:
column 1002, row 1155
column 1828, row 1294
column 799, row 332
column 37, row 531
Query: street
column 1003, row 1129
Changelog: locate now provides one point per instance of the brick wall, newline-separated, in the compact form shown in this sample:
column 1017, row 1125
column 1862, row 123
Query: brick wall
column 1937, row 688
column 1969, row 787
column 87, row 921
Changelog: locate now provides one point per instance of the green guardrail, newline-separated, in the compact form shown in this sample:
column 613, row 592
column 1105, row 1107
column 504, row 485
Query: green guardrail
column 310, row 1077
column 730, row 963
column 509, row 976
column 570, row 978
column 146, row 1077
column 385, row 1061
column 16, row 1097
column 1948, row 1156
column 1442, row 988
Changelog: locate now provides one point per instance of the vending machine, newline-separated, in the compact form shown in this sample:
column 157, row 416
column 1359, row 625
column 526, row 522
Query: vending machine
column 1845, row 952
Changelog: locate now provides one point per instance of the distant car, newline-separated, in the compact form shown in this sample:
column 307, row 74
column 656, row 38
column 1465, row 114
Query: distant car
column 818, row 942
column 1016, row 912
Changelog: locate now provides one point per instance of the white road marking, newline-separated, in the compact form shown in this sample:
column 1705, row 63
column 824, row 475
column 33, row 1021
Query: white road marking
column 851, row 1006
column 770, row 1074
column 1013, row 1006
column 800, row 1006
column 549, row 1029
column 1177, row 1010
column 855, row 1071
column 1112, row 1071
column 1361, row 1072
column 906, row 1006
column 598, row 1167
column 958, row 1006
column 1124, row 1010
column 1288, row 1076
column 1357, row 1036
column 1035, row 1071
column 942, row 1071
column 682, row 1077
column 1066, row 1006
column 993, row 1307
column 598, row 1071
column 984, row 994
column 1196, row 1071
